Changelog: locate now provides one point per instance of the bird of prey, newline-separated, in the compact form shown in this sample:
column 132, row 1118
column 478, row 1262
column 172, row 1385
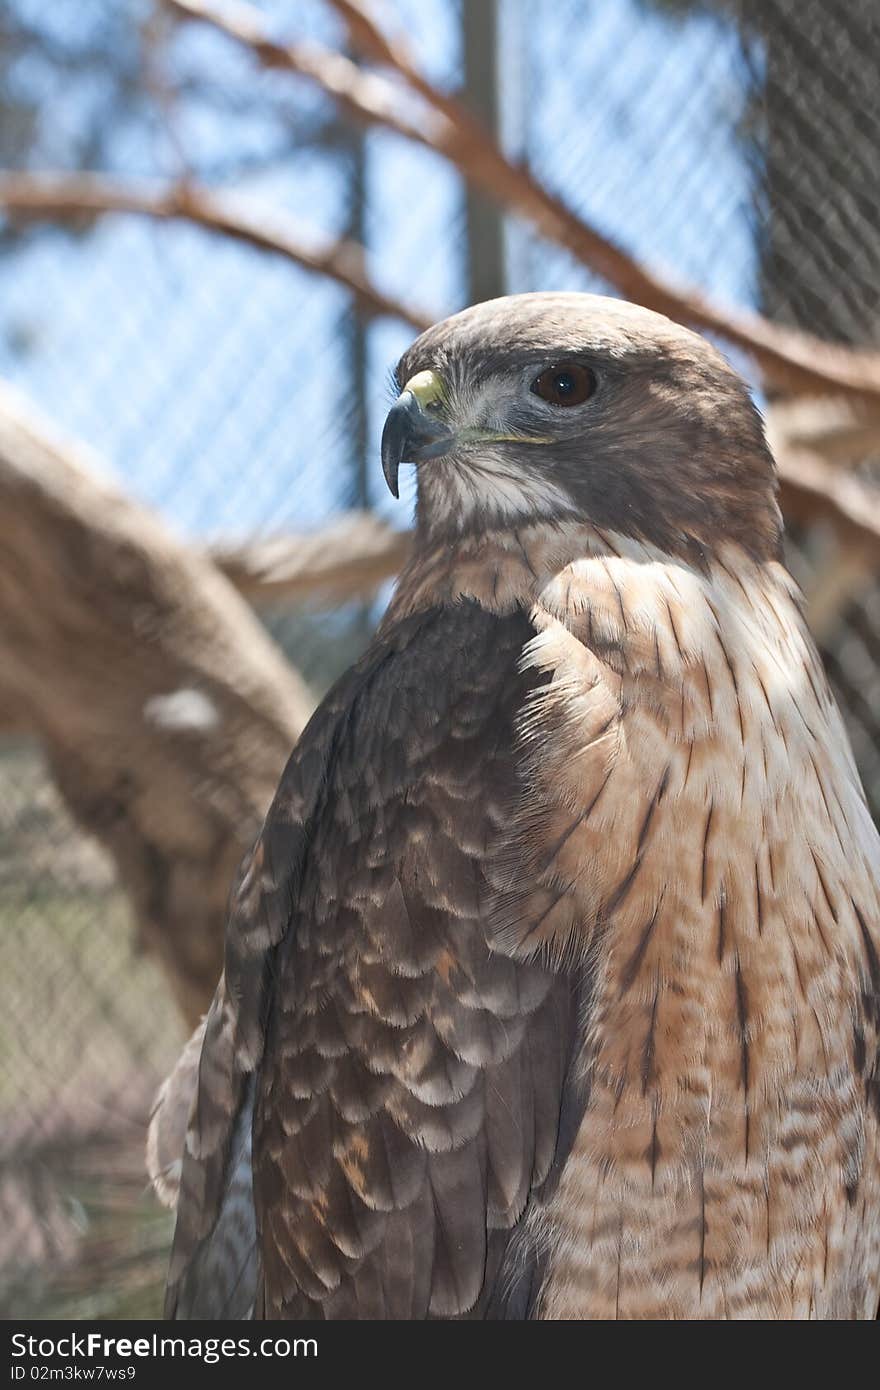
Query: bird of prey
column 552, row 985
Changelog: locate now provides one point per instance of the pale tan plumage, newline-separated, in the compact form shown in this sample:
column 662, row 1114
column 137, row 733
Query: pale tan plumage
column 687, row 843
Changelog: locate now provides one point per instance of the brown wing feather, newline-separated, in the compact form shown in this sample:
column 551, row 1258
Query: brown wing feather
column 411, row 1093
column 409, row 1099
column 215, row 1238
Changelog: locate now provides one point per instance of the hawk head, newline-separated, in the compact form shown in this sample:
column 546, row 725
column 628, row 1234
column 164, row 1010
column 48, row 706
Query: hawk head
column 559, row 406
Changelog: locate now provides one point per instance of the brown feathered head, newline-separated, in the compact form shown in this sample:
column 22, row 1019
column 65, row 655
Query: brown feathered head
column 553, row 406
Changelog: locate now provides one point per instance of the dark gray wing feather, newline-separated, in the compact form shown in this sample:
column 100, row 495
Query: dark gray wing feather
column 410, row 1101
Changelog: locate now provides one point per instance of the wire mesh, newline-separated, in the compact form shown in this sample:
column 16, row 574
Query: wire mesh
column 734, row 145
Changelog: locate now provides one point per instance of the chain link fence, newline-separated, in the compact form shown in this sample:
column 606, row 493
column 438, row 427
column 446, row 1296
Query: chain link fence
column 734, row 144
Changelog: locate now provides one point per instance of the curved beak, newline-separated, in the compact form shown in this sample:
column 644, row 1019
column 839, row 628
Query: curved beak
column 411, row 434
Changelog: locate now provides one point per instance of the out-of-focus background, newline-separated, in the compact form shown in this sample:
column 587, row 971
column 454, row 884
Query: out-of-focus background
column 219, row 226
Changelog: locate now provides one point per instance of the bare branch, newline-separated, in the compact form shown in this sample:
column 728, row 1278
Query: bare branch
column 348, row 559
column 843, row 430
column 66, row 197
column 363, row 96
column 165, row 710
column 813, row 490
column 788, row 358
column 834, row 584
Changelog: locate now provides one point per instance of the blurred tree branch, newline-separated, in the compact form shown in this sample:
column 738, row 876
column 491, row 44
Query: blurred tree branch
column 840, row 429
column 788, row 358
column 814, row 490
column 345, row 560
column 166, row 712
column 69, row 197
column 811, row 489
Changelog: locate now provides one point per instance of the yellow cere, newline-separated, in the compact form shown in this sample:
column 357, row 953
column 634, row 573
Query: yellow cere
column 427, row 387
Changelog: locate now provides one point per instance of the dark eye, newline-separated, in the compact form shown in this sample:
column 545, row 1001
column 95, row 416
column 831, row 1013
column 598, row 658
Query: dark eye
column 566, row 383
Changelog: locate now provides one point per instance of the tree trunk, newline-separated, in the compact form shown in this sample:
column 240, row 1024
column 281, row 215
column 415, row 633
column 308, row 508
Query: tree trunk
column 166, row 711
